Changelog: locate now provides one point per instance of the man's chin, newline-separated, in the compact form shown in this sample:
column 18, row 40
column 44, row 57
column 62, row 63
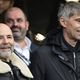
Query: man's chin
column 5, row 54
column 16, row 35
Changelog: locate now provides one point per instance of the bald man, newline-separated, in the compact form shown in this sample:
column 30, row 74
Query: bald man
column 11, row 66
column 16, row 19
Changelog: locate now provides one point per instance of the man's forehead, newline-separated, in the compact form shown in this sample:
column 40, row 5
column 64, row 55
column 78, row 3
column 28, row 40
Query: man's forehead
column 14, row 9
column 4, row 28
column 77, row 16
column 5, row 33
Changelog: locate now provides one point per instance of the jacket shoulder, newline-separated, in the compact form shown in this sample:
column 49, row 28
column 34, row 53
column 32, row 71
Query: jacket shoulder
column 34, row 47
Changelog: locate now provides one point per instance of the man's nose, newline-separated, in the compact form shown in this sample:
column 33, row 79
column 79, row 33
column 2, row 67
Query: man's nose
column 15, row 23
column 5, row 40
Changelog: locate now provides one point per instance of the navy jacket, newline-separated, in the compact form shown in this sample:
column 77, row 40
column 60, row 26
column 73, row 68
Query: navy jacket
column 55, row 61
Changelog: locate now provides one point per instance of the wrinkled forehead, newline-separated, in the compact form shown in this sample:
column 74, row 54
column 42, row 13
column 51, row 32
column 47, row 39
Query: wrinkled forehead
column 16, row 12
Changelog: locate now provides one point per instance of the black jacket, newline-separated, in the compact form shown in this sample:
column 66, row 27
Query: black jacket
column 16, row 69
column 56, row 61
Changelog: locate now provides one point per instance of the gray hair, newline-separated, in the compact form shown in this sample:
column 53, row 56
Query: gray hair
column 69, row 9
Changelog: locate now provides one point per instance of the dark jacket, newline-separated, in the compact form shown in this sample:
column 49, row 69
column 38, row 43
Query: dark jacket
column 56, row 61
column 16, row 69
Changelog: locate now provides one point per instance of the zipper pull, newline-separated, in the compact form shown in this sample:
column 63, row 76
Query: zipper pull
column 74, row 60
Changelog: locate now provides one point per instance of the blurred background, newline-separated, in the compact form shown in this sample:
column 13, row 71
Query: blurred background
column 42, row 16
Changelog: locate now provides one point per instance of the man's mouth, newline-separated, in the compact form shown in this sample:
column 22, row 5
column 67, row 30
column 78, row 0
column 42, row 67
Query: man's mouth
column 5, row 49
column 15, row 30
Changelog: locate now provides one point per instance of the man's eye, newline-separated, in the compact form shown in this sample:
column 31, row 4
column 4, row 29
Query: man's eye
column 9, row 37
column 1, row 37
column 19, row 20
column 78, row 20
column 9, row 21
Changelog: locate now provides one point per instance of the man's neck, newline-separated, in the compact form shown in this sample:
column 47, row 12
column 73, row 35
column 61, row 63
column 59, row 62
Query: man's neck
column 22, row 43
column 70, row 41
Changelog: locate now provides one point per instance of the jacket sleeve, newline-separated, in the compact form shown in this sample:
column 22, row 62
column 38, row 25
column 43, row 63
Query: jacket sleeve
column 37, row 66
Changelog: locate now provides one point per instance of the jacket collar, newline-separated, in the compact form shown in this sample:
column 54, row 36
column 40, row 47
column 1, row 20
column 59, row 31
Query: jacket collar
column 58, row 41
column 4, row 67
column 16, row 61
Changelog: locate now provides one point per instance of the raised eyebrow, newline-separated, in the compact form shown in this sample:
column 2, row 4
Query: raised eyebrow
column 10, row 35
column 19, row 19
column 77, row 19
column 8, row 19
column 1, row 35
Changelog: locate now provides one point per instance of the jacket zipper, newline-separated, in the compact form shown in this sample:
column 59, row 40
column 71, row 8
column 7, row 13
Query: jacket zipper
column 74, row 60
column 74, row 56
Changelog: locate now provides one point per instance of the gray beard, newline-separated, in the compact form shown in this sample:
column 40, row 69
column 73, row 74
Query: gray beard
column 7, row 54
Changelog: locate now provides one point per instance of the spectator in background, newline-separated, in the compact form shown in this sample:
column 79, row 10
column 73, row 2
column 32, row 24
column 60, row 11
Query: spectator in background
column 11, row 66
column 4, row 5
column 16, row 19
column 59, row 58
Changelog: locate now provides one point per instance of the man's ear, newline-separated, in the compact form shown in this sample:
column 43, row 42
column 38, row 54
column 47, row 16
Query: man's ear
column 27, row 25
column 63, row 22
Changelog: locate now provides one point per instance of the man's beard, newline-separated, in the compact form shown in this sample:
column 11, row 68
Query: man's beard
column 18, row 33
column 6, row 54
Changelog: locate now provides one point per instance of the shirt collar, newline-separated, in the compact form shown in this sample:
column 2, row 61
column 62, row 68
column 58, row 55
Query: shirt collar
column 28, row 42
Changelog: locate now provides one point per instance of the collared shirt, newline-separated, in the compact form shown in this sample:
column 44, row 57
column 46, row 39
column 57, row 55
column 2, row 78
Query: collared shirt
column 24, row 51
